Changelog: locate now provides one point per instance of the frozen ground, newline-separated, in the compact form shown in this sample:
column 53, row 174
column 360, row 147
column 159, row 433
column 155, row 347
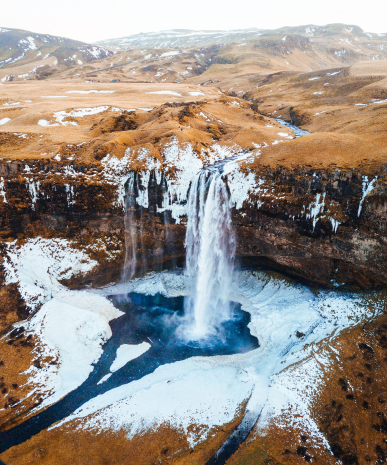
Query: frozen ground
column 71, row 326
column 280, row 312
column 206, row 391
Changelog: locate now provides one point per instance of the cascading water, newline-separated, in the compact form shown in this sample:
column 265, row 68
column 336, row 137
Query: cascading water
column 144, row 239
column 209, row 326
column 130, row 229
column 210, row 250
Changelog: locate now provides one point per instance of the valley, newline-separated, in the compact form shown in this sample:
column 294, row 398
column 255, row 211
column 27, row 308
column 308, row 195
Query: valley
column 193, row 246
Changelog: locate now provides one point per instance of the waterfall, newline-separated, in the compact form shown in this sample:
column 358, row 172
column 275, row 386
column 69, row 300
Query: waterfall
column 210, row 249
column 130, row 229
column 145, row 240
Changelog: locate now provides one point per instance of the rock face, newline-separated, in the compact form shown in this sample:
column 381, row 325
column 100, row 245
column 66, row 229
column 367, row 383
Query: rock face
column 326, row 227
column 95, row 177
column 320, row 230
column 44, row 205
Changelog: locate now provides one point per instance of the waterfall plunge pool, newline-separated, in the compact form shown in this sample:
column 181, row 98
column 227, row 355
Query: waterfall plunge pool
column 146, row 320
column 160, row 320
column 201, row 385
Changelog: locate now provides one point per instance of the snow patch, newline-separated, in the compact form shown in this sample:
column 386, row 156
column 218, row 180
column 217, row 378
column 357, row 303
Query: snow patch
column 170, row 54
column 367, row 189
column 90, row 91
column 165, row 92
column 128, row 352
column 45, row 123
column 60, row 116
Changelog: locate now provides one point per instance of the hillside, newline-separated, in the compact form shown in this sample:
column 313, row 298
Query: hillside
column 227, row 59
column 47, row 53
column 185, row 38
column 179, row 38
column 255, row 158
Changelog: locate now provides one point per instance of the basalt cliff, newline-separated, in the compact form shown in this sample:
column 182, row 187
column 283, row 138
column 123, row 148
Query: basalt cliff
column 95, row 179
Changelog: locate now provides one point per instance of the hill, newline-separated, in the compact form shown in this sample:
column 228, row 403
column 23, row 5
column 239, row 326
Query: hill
column 179, row 38
column 230, row 58
column 183, row 38
column 48, row 53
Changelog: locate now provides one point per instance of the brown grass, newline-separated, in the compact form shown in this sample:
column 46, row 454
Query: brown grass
column 162, row 445
column 326, row 151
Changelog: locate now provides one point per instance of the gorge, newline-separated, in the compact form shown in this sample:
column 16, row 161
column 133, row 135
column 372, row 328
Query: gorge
column 194, row 272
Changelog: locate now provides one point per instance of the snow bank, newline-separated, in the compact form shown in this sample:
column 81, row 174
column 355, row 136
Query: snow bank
column 71, row 326
column 207, row 391
column 194, row 391
column 128, row 352
column 39, row 264
column 71, row 335
column 165, row 92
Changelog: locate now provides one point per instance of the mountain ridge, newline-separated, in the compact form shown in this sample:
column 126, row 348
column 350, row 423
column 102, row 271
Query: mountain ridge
column 189, row 37
column 19, row 47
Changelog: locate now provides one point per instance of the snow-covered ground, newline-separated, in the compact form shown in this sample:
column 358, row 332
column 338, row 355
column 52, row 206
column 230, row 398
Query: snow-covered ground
column 282, row 372
column 165, row 92
column 71, row 326
column 207, row 391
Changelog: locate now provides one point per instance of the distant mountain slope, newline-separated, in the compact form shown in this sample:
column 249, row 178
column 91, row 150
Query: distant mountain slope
column 233, row 60
column 19, row 47
column 229, row 59
column 179, row 38
column 183, row 38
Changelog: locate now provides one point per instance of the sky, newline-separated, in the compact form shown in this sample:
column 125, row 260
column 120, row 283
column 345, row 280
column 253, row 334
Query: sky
column 93, row 20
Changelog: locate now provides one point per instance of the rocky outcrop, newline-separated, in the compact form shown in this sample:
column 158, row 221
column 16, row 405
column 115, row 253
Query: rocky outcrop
column 325, row 226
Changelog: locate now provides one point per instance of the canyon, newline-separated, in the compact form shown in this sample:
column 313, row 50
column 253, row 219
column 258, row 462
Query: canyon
column 97, row 175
